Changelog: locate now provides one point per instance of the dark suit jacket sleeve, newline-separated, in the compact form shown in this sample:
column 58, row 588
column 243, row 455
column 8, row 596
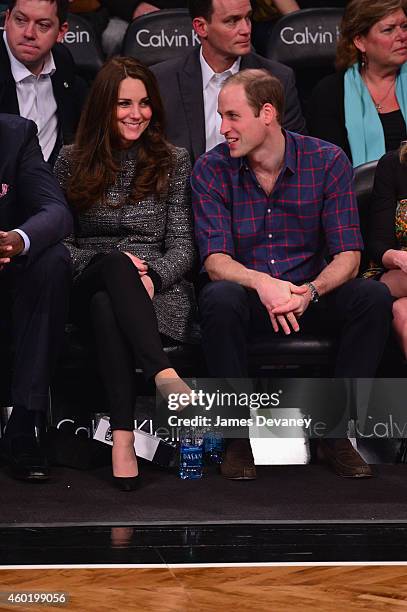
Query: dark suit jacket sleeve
column 179, row 131
column 385, row 194
column 326, row 114
column 47, row 217
column 70, row 92
column 293, row 119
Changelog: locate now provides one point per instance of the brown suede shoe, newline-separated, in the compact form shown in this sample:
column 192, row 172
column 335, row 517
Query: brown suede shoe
column 343, row 458
column 238, row 463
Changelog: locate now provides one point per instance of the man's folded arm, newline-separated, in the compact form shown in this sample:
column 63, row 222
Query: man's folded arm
column 47, row 216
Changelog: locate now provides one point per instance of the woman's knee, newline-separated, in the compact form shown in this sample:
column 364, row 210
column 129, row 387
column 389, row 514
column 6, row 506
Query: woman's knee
column 118, row 264
column 115, row 258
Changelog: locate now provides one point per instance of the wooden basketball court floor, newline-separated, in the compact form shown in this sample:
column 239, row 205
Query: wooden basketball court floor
column 178, row 588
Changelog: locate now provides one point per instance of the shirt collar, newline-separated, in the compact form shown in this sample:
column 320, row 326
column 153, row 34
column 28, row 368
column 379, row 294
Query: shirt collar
column 21, row 72
column 290, row 155
column 207, row 72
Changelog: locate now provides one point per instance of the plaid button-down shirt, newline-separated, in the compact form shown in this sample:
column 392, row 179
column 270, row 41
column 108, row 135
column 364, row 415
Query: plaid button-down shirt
column 312, row 209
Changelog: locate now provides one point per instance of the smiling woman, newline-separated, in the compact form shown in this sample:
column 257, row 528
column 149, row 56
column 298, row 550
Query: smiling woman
column 133, row 243
column 133, row 110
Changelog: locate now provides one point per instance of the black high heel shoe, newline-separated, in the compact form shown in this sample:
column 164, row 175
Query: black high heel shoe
column 129, row 483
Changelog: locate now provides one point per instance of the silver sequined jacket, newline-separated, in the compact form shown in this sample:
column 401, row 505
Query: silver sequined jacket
column 157, row 229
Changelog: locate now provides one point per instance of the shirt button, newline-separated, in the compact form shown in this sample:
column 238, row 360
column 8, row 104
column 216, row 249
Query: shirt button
column 270, row 235
column 272, row 261
column 269, row 210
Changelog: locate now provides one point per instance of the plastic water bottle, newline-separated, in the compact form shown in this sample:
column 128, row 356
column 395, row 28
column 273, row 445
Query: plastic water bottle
column 191, row 454
column 214, row 447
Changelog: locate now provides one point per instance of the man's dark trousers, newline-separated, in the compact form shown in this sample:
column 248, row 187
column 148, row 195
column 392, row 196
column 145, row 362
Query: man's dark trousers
column 36, row 303
column 359, row 312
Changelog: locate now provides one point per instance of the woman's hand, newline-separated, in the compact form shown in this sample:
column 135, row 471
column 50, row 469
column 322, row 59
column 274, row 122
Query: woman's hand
column 148, row 284
column 141, row 265
column 142, row 268
column 395, row 259
column 400, row 259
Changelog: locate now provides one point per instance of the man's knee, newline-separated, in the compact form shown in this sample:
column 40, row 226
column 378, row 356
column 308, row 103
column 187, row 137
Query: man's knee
column 222, row 298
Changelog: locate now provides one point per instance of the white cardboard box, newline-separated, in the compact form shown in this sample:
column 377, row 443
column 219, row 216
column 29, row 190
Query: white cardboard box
column 146, row 445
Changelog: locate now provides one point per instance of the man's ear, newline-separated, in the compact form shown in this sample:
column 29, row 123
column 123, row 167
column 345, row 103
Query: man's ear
column 268, row 113
column 62, row 31
column 6, row 18
column 200, row 26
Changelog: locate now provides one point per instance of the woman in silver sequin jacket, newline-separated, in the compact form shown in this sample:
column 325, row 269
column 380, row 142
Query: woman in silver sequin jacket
column 133, row 242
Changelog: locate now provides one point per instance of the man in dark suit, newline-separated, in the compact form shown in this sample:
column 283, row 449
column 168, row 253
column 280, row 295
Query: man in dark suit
column 189, row 85
column 35, row 277
column 37, row 75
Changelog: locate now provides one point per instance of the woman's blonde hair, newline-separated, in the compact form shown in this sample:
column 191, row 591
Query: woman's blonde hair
column 359, row 17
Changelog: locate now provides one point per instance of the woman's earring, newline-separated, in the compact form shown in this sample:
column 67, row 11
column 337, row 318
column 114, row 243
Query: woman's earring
column 364, row 61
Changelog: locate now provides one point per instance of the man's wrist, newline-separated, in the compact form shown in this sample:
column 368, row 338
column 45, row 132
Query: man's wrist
column 258, row 279
column 255, row 279
column 313, row 292
column 25, row 241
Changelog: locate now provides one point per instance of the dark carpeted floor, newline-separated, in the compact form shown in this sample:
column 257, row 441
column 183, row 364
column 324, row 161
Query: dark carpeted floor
column 281, row 493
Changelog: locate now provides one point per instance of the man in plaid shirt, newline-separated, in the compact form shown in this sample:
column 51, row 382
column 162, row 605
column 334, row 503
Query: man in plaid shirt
column 268, row 205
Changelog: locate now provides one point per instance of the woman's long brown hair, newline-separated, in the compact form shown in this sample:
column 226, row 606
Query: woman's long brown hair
column 95, row 159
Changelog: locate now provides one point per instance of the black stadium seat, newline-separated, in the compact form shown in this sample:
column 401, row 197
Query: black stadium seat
column 306, row 41
column 160, row 36
column 84, row 46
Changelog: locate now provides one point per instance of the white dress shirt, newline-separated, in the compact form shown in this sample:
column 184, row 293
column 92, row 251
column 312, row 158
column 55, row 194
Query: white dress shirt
column 36, row 99
column 211, row 84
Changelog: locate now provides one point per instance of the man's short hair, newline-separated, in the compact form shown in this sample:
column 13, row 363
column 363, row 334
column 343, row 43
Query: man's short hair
column 201, row 8
column 62, row 8
column 260, row 88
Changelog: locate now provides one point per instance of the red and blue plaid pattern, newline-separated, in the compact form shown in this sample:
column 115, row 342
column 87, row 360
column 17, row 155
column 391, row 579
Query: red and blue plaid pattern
column 311, row 211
